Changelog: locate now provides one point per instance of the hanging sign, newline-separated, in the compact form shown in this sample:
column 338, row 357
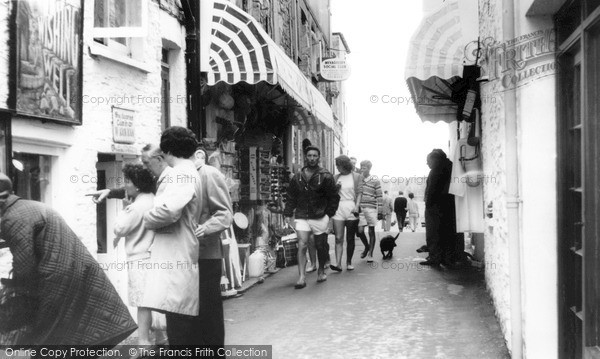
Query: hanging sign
column 48, row 56
column 253, row 174
column 335, row 69
column 123, row 125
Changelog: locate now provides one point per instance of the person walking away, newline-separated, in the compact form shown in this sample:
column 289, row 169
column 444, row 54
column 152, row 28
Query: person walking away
column 140, row 186
column 215, row 216
column 400, row 209
column 387, row 212
column 173, row 218
column 371, row 203
column 349, row 185
column 312, row 196
column 413, row 212
column 66, row 297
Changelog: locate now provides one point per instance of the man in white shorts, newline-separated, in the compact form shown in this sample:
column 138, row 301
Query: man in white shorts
column 313, row 197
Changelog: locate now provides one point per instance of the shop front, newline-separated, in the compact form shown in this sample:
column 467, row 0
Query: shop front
column 259, row 112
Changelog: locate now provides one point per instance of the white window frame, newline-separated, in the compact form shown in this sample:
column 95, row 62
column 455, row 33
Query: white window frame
column 131, row 54
column 124, row 31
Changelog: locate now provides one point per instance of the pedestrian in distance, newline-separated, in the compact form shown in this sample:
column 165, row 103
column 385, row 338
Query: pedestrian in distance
column 139, row 185
column 353, row 160
column 312, row 197
column 413, row 212
column 371, row 203
column 349, row 185
column 400, row 210
column 216, row 214
column 388, row 208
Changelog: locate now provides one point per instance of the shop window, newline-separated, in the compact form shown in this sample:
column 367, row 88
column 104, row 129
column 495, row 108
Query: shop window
column 121, row 26
column 32, row 176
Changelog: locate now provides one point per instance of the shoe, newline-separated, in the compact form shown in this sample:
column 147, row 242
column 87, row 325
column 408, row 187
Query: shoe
column 350, row 267
column 364, row 253
column 369, row 259
column 422, row 249
column 321, row 278
column 311, row 269
column 430, row 263
column 300, row 285
column 335, row 268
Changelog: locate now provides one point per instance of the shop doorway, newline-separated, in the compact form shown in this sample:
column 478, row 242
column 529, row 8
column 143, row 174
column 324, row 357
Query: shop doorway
column 111, row 259
column 578, row 33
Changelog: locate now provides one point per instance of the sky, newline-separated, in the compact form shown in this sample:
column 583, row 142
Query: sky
column 390, row 135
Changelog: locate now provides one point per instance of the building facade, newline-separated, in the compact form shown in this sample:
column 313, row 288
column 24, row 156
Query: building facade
column 94, row 83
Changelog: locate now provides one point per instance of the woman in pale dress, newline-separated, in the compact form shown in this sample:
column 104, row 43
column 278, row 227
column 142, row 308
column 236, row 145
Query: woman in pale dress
column 140, row 185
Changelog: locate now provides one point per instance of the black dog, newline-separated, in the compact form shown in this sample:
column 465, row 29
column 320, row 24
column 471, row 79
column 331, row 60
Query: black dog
column 387, row 244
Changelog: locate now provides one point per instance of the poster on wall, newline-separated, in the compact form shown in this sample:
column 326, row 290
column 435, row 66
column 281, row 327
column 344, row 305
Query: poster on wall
column 49, row 61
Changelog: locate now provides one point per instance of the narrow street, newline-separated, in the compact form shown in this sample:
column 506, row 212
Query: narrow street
column 391, row 309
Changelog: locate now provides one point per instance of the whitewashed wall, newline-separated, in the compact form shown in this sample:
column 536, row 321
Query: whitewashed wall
column 536, row 126
column 76, row 147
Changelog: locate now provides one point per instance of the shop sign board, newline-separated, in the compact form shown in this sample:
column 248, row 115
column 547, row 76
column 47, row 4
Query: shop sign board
column 48, row 52
column 516, row 62
column 335, row 69
column 123, row 125
column 253, row 174
column 124, row 149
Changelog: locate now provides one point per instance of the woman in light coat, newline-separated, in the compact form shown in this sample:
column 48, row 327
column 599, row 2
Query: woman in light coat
column 139, row 186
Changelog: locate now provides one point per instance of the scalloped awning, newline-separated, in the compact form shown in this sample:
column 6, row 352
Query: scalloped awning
column 445, row 41
column 235, row 48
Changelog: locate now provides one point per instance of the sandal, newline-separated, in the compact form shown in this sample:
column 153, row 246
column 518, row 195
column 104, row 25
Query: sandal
column 300, row 285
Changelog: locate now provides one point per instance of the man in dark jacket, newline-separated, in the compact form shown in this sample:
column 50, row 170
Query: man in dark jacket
column 440, row 222
column 400, row 210
column 76, row 304
column 313, row 196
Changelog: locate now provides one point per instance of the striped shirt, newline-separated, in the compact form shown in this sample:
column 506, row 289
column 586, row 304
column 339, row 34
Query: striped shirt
column 371, row 194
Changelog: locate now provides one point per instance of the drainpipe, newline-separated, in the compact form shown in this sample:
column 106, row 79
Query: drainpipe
column 513, row 201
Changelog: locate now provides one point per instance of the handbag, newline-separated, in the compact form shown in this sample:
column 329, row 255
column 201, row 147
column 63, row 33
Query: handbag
column 18, row 306
column 287, row 250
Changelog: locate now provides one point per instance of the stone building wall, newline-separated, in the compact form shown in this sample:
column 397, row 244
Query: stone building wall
column 106, row 83
column 494, row 167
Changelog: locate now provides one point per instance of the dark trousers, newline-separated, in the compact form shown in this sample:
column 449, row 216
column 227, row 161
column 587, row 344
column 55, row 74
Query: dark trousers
column 433, row 235
column 322, row 249
column 210, row 319
column 401, row 217
column 207, row 328
column 351, row 228
column 181, row 329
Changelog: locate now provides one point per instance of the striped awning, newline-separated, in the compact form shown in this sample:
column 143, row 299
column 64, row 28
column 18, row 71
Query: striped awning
column 445, row 42
column 235, row 48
